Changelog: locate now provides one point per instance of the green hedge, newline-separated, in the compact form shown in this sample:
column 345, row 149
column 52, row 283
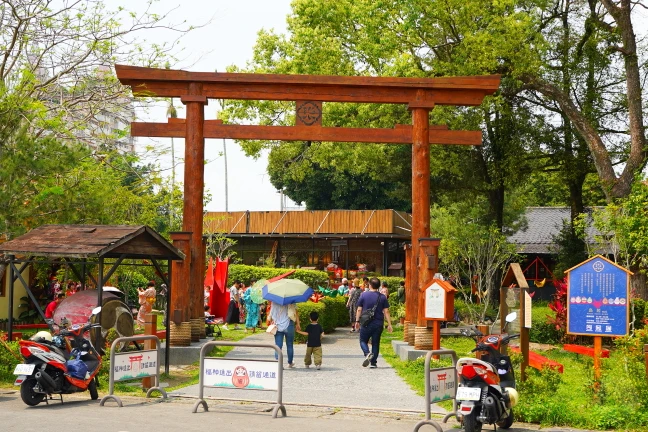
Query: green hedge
column 393, row 306
column 332, row 313
column 8, row 361
column 246, row 273
column 392, row 283
column 336, row 306
column 641, row 312
column 325, row 319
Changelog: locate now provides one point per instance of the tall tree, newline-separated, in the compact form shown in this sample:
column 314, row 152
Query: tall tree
column 605, row 108
column 401, row 38
column 56, row 60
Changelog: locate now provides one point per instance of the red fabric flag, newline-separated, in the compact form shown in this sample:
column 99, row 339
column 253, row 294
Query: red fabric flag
column 209, row 278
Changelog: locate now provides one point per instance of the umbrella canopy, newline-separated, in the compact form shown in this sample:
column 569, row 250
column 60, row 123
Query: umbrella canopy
column 287, row 291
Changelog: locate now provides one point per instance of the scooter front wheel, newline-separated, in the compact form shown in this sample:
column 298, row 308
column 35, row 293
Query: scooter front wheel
column 27, row 393
column 92, row 388
column 471, row 424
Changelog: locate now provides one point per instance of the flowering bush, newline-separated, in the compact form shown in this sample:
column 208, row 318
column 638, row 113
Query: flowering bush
column 559, row 306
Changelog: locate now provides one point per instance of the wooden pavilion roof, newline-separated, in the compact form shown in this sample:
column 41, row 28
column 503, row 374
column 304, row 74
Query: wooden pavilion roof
column 93, row 241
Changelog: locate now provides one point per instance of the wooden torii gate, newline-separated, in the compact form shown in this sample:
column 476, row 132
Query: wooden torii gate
column 309, row 92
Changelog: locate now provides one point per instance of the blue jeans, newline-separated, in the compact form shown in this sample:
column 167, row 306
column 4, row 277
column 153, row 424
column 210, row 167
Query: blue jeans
column 289, row 334
column 373, row 331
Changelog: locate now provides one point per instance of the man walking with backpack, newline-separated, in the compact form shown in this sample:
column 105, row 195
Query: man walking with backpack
column 373, row 309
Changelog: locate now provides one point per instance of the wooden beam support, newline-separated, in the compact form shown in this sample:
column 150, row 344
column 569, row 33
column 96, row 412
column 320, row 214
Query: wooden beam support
column 401, row 134
column 153, row 82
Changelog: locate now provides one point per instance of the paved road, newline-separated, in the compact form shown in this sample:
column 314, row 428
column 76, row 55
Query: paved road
column 154, row 415
column 342, row 381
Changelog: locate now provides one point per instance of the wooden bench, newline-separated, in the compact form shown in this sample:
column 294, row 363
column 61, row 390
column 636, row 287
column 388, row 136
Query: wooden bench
column 579, row 349
column 539, row 362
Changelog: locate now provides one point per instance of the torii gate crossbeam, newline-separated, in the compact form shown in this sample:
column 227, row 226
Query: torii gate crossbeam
column 309, row 91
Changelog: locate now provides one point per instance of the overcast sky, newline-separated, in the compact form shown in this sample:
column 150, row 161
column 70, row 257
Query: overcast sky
column 227, row 40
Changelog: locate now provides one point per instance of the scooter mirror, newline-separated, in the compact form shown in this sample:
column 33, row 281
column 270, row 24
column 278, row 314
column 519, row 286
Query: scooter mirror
column 511, row 317
column 96, row 310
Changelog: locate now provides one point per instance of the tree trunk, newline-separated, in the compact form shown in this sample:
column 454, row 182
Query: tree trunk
column 639, row 283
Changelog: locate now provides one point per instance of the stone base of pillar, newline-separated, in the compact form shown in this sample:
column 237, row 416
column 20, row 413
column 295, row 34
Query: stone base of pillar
column 423, row 338
column 411, row 333
column 196, row 324
column 180, row 335
column 405, row 332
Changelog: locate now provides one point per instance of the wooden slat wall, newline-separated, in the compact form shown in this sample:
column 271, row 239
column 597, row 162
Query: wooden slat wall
column 308, row 222
column 399, row 226
column 225, row 222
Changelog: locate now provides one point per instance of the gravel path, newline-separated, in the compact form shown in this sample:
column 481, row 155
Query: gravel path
column 341, row 382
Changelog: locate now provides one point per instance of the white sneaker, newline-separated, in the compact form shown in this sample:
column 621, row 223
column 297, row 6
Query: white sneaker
column 291, row 365
column 367, row 360
column 225, row 327
column 318, row 367
column 307, row 366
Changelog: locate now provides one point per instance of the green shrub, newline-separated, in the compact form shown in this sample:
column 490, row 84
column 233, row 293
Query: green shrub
column 336, row 307
column 8, row 361
column 392, row 283
column 128, row 282
column 246, row 273
column 304, row 310
column 545, row 333
column 393, row 306
column 640, row 311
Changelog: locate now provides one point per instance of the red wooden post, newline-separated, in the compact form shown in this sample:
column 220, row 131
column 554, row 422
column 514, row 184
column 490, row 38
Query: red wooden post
column 194, row 184
column 409, row 268
column 598, row 342
column 150, row 328
column 420, row 198
column 180, row 275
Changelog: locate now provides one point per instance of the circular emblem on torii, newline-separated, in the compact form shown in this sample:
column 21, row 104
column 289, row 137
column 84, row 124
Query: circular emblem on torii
column 598, row 266
column 309, row 113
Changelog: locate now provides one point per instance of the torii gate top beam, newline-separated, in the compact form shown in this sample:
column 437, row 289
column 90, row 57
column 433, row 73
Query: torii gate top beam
column 417, row 92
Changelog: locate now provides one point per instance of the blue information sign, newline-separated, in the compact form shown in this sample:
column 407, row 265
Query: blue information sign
column 597, row 298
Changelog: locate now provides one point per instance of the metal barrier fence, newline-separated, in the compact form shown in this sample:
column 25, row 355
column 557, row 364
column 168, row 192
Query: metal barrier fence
column 443, row 395
column 135, row 359
column 240, row 376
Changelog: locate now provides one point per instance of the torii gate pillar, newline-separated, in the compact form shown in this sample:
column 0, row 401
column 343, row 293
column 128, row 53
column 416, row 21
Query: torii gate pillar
column 417, row 327
column 194, row 186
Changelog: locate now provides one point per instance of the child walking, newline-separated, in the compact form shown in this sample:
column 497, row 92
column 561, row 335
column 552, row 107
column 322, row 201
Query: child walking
column 315, row 333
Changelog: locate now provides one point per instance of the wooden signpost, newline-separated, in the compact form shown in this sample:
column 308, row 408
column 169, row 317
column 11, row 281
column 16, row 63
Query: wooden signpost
column 308, row 91
column 598, row 302
column 438, row 306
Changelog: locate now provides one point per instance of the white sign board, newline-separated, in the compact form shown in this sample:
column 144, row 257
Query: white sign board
column 435, row 301
column 134, row 364
column 527, row 310
column 442, row 384
column 242, row 374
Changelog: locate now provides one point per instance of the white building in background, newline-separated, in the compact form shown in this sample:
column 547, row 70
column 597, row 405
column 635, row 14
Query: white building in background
column 97, row 108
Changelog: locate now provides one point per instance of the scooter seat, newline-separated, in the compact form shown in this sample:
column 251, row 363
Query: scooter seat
column 469, row 361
